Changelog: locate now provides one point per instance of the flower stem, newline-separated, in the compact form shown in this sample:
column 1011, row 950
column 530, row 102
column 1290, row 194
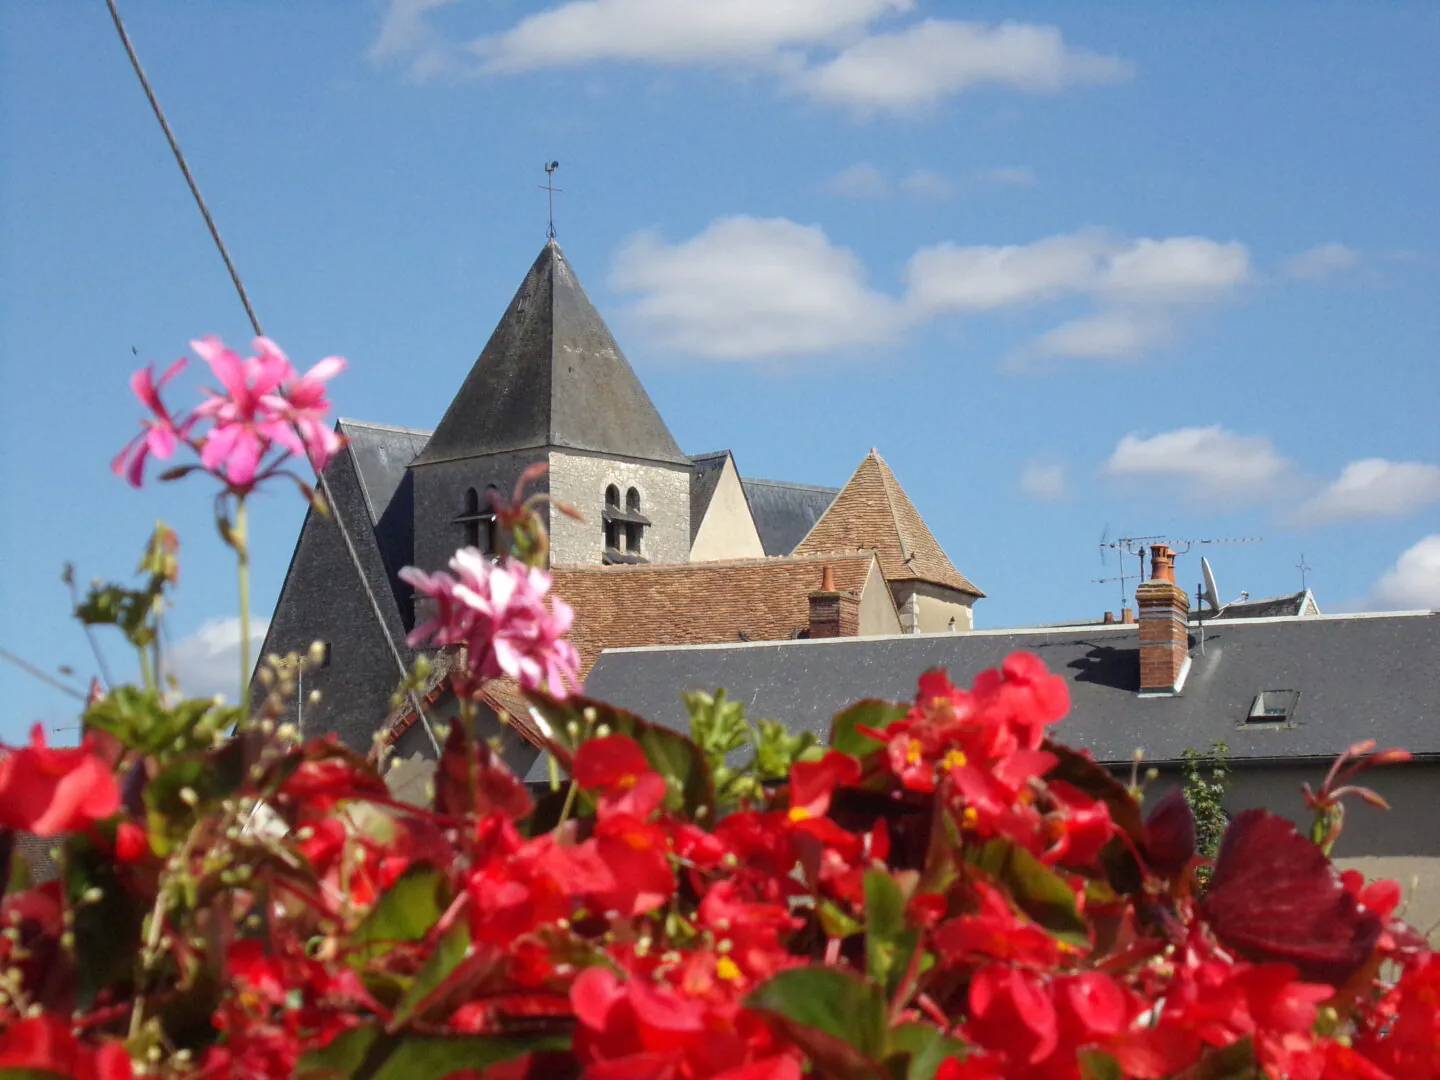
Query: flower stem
column 241, row 540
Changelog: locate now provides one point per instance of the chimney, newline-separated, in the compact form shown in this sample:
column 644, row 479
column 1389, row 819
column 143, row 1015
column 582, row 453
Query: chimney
column 833, row 613
column 1164, row 626
column 1127, row 615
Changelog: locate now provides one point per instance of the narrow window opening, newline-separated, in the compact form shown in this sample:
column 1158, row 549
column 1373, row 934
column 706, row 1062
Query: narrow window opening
column 477, row 520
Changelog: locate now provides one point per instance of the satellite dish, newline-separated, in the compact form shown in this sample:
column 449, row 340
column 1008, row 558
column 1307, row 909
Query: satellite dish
column 1210, row 594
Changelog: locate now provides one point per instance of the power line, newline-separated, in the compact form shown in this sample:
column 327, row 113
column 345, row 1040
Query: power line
column 255, row 323
column 41, row 674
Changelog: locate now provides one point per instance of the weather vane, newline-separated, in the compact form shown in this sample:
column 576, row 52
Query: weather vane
column 550, row 189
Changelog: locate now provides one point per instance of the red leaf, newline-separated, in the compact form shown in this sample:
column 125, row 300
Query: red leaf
column 1276, row 897
column 1170, row 834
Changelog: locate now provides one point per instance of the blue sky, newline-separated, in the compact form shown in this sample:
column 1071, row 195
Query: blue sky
column 1158, row 269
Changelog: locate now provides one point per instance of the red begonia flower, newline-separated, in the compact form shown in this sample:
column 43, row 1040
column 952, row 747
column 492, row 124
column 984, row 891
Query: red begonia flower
column 52, row 790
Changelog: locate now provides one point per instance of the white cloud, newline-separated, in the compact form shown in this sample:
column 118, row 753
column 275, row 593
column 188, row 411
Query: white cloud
column 1009, row 176
column 927, row 184
column 1045, row 482
column 866, row 181
column 407, row 37
column 1413, row 583
column 1208, row 462
column 1321, row 261
column 824, row 49
column 1374, row 487
column 208, row 661
column 675, row 32
column 937, row 58
column 859, row 181
column 1107, row 335
column 749, row 287
column 1143, row 271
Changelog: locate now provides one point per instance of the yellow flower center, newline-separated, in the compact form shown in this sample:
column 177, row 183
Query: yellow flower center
column 912, row 752
column 969, row 818
column 799, row 813
column 727, row 969
column 955, row 759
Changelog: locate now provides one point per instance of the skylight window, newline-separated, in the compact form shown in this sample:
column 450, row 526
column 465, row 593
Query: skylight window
column 1273, row 707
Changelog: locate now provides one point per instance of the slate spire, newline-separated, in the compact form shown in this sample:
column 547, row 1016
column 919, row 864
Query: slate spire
column 551, row 375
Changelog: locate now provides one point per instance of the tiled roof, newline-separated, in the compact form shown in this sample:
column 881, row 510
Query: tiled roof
column 872, row 511
column 698, row 603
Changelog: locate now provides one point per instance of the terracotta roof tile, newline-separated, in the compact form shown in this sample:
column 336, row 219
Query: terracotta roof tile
column 699, row 603
column 873, row 511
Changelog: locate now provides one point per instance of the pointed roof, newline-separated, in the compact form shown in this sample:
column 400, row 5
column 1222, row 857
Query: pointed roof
column 552, row 375
column 873, row 511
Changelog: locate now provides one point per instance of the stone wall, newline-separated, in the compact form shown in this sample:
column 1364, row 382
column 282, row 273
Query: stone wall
column 580, row 480
column 935, row 606
column 439, row 493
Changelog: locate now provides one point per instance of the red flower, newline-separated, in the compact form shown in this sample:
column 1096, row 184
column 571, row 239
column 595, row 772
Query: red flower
column 616, row 768
column 1012, row 1014
column 996, row 932
column 49, row 791
column 131, row 843
column 45, row 1044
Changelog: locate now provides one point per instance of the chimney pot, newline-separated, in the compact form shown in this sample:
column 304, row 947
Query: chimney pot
column 1127, row 615
column 1162, row 563
column 833, row 613
column 827, row 580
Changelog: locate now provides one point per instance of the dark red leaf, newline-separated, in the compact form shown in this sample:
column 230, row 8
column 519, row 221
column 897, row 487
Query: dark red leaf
column 1275, row 896
column 1170, row 834
column 472, row 780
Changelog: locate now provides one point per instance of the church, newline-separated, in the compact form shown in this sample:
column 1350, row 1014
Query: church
column 671, row 549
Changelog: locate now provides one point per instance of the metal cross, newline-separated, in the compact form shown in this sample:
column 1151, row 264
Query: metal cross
column 550, row 189
column 1304, row 569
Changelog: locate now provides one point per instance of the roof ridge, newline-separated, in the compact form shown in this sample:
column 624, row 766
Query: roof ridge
column 887, row 479
column 787, row 483
column 352, row 422
column 717, row 564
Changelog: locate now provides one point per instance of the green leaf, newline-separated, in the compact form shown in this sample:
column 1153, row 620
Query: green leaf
column 835, row 922
column 871, row 713
column 1233, row 1062
column 776, row 749
column 689, row 787
column 925, row 1046
column 443, row 961
column 1098, row 1065
column 406, row 912
column 139, row 719
column 370, row 1053
column 1036, row 889
column 888, row 943
column 834, row 1015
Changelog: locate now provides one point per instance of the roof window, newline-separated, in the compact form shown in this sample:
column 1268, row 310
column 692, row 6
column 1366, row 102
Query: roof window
column 1273, row 707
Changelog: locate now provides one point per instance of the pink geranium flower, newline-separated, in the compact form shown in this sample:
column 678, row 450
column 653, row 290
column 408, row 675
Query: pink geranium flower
column 160, row 434
column 243, row 432
column 498, row 611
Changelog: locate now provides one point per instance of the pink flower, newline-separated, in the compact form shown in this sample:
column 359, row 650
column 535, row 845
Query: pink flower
column 159, row 435
column 263, row 413
column 497, row 610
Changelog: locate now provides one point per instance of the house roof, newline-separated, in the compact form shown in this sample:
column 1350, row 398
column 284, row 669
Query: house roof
column 1294, row 605
column 552, row 375
column 1358, row 677
column 785, row 512
column 703, row 482
column 872, row 511
column 698, row 603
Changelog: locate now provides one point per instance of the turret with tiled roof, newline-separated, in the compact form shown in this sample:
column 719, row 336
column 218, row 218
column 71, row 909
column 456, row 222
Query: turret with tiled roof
column 873, row 512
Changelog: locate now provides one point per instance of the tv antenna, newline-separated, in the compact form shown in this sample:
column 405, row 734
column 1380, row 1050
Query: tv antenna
column 550, row 189
column 1122, row 546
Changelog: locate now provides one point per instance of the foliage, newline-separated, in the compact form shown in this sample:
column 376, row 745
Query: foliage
column 1207, row 780
column 943, row 892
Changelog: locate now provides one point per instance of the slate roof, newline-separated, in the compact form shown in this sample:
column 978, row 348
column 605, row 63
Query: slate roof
column 698, row 603
column 380, row 454
column 552, row 375
column 703, row 482
column 872, row 511
column 1358, row 677
column 785, row 512
column 1271, row 607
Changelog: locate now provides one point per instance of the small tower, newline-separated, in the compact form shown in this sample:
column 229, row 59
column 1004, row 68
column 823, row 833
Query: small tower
column 552, row 386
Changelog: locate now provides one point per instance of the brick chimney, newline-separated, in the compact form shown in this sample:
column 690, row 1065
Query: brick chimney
column 1164, row 626
column 833, row 613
